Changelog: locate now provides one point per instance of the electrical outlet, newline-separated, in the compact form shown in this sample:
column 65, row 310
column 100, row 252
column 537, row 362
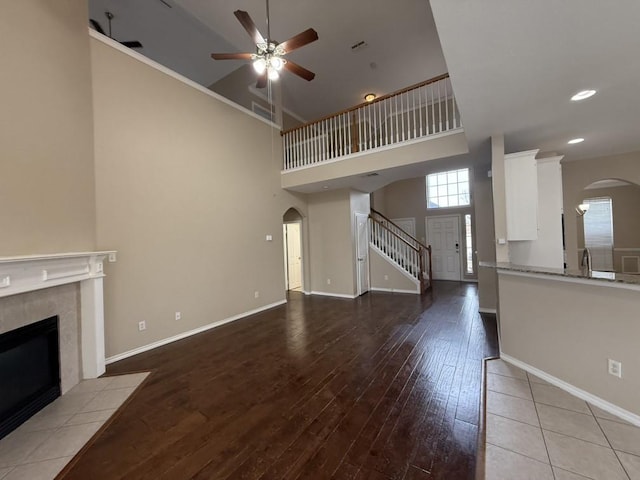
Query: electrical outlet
column 328, row 281
column 256, row 294
column 178, row 316
column 386, row 277
column 142, row 325
column 615, row 368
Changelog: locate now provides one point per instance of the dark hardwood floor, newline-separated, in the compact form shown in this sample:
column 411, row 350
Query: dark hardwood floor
column 382, row 387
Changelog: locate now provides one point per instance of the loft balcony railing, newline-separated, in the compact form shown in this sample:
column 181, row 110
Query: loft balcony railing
column 423, row 110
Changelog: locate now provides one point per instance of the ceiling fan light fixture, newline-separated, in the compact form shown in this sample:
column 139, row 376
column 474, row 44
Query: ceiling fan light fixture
column 277, row 63
column 260, row 65
column 272, row 73
column 369, row 97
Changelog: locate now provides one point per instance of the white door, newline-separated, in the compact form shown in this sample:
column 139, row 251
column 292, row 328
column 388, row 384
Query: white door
column 406, row 224
column 362, row 252
column 443, row 234
column 294, row 255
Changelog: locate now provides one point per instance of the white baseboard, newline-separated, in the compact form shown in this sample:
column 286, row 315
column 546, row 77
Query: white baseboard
column 488, row 310
column 180, row 336
column 575, row 391
column 393, row 290
column 339, row 295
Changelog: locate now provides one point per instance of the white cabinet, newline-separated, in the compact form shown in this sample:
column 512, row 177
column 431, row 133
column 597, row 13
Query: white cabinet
column 521, row 189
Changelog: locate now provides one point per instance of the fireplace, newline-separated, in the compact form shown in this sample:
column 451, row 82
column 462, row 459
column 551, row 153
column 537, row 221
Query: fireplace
column 29, row 372
column 65, row 289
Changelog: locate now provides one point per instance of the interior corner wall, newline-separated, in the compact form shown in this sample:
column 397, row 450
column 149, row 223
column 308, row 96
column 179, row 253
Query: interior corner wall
column 186, row 193
column 331, row 243
column 46, row 134
column 579, row 174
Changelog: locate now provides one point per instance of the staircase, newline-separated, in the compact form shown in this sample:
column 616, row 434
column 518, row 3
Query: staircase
column 401, row 248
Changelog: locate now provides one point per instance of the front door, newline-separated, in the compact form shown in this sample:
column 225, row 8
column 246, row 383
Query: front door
column 362, row 252
column 443, row 234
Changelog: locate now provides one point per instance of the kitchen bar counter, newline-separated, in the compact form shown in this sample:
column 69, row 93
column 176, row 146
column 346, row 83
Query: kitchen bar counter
column 612, row 279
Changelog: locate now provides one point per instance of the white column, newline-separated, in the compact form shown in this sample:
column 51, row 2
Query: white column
column 92, row 327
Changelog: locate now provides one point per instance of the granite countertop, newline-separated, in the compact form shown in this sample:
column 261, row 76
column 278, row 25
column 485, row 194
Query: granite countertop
column 610, row 277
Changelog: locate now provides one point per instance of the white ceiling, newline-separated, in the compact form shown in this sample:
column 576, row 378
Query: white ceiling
column 401, row 41
column 514, row 66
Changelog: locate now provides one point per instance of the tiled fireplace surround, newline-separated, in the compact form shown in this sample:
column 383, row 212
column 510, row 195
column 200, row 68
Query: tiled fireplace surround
column 69, row 285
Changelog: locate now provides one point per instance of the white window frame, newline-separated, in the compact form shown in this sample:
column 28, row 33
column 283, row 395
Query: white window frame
column 448, row 186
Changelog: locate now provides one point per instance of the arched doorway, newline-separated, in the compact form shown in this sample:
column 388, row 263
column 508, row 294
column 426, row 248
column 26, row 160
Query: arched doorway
column 609, row 225
column 293, row 251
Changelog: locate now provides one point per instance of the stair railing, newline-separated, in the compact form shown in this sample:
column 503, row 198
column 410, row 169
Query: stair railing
column 402, row 248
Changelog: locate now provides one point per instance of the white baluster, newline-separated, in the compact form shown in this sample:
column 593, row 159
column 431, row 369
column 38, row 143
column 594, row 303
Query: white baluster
column 446, row 102
column 439, row 107
column 415, row 133
column 433, row 109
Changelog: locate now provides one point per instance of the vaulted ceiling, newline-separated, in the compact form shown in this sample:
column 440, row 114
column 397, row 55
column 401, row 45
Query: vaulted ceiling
column 401, row 43
column 514, row 65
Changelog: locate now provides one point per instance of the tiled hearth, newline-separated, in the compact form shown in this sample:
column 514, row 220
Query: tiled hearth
column 41, row 447
column 537, row 431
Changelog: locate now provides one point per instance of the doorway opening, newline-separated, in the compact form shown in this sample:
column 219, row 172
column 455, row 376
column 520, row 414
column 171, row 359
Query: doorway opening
column 292, row 240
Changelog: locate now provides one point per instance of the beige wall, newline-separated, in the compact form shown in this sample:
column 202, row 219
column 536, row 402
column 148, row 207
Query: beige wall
column 46, row 132
column 577, row 175
column 186, row 193
column 331, row 242
column 569, row 330
column 235, row 87
column 385, row 276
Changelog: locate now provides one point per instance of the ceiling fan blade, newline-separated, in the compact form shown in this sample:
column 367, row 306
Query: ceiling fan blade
column 262, row 81
column 300, row 71
column 231, row 56
column 244, row 18
column 96, row 26
column 132, row 44
column 300, row 40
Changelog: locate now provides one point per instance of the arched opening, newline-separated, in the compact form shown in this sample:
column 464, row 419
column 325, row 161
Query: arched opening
column 609, row 225
column 293, row 251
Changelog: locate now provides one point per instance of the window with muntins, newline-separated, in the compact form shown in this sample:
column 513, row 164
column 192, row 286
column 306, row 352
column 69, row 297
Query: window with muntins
column 598, row 232
column 448, row 189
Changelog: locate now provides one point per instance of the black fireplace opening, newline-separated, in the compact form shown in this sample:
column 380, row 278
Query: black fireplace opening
column 29, row 372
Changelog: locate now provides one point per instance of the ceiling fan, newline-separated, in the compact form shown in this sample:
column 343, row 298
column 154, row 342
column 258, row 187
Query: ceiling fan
column 269, row 59
column 98, row 28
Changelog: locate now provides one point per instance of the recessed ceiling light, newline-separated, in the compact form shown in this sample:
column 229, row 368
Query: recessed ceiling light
column 583, row 94
column 575, row 140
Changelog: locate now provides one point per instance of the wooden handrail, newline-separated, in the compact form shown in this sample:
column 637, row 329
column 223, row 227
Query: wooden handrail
column 394, row 234
column 399, row 228
column 363, row 104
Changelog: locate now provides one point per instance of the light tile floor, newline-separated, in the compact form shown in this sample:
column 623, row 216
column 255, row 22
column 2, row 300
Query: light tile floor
column 41, row 447
column 537, row 431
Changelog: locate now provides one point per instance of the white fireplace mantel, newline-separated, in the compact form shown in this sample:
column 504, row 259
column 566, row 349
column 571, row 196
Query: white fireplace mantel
column 28, row 273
